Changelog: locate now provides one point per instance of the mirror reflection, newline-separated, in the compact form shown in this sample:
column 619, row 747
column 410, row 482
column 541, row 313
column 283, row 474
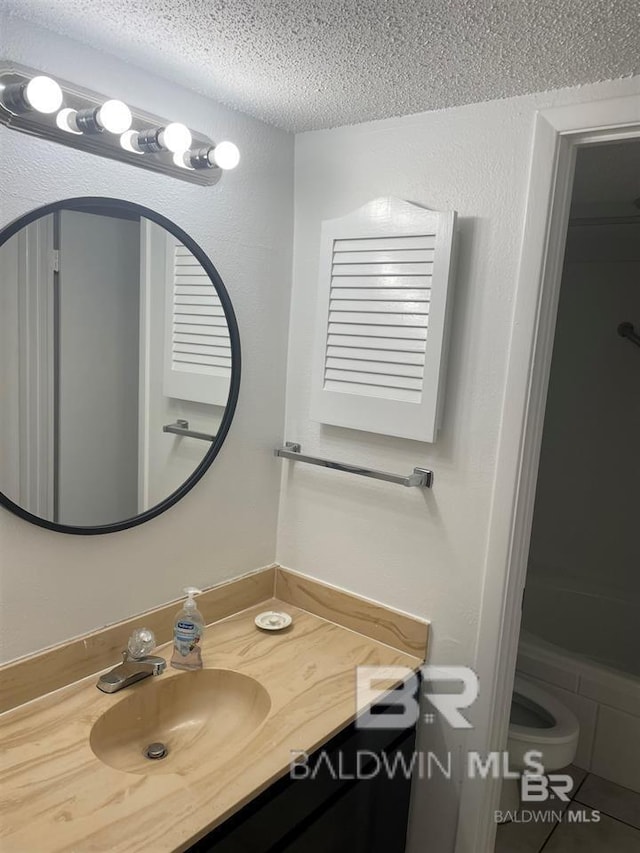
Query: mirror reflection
column 114, row 347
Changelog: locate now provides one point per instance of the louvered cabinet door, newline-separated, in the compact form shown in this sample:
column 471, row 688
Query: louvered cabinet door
column 382, row 319
column 198, row 348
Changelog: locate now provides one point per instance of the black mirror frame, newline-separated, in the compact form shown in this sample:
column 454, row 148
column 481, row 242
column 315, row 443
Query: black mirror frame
column 91, row 203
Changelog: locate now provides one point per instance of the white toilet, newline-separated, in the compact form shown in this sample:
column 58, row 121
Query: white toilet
column 538, row 722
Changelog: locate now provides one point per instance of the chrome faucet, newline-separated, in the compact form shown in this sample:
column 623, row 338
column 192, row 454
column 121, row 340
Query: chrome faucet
column 134, row 666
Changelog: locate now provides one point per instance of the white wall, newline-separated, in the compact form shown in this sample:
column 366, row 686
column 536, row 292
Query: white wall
column 422, row 552
column 55, row 586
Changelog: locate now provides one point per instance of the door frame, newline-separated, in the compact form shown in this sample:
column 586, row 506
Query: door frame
column 558, row 133
column 37, row 332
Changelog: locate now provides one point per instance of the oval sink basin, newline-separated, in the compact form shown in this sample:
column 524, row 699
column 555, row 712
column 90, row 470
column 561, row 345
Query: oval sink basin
column 208, row 712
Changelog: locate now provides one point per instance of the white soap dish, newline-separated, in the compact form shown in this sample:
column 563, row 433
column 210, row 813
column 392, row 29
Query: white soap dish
column 273, row 620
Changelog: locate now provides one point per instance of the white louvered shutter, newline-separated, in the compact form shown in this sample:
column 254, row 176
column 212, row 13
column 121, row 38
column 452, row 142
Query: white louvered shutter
column 384, row 280
column 197, row 344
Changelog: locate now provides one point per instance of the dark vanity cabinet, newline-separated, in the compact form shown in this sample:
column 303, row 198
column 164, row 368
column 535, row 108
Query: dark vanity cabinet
column 342, row 806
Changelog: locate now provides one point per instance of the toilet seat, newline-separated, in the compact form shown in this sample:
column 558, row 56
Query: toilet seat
column 557, row 742
column 565, row 726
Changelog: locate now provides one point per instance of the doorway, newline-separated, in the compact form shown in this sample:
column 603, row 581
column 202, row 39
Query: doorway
column 582, row 596
column 97, row 329
column 559, row 133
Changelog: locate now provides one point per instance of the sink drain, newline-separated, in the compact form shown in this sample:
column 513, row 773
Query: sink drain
column 156, row 751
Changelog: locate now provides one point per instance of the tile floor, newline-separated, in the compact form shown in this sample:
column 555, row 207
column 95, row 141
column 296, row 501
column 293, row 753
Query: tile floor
column 617, row 831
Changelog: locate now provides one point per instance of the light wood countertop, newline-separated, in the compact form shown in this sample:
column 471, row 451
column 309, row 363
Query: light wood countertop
column 56, row 795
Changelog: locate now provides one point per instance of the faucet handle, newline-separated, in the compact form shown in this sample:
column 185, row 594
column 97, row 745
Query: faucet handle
column 141, row 643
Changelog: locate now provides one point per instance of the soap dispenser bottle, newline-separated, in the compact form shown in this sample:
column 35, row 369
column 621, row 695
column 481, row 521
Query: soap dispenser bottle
column 187, row 634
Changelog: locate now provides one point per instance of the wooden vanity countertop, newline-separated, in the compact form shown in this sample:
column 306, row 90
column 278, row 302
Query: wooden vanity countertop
column 56, row 795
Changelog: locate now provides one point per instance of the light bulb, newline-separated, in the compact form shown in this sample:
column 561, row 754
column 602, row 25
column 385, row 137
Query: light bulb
column 43, row 95
column 129, row 141
column 226, row 155
column 183, row 159
column 66, row 120
column 114, row 116
column 175, row 137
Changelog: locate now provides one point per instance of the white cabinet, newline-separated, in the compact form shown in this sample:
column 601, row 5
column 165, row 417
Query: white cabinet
column 383, row 299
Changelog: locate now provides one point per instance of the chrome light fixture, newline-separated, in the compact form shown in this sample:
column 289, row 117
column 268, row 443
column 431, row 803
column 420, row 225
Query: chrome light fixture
column 39, row 93
column 113, row 116
column 62, row 112
column 224, row 155
column 175, row 137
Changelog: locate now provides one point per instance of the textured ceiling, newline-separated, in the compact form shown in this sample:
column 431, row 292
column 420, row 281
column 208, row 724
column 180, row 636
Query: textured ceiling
column 303, row 64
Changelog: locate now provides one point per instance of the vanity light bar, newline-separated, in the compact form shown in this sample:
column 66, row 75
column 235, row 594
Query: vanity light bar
column 62, row 112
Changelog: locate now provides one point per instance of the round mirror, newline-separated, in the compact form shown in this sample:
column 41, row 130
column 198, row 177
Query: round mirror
column 119, row 365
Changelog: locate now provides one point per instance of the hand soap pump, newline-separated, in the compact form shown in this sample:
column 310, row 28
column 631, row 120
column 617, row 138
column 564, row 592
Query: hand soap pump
column 187, row 633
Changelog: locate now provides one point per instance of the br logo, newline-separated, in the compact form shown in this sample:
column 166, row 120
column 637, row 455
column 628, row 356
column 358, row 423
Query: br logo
column 538, row 789
column 403, row 696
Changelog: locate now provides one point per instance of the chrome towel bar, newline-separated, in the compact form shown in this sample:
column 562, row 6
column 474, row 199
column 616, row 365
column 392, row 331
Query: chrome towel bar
column 181, row 427
column 421, row 477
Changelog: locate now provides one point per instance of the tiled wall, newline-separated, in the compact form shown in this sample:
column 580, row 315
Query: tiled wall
column 606, row 703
